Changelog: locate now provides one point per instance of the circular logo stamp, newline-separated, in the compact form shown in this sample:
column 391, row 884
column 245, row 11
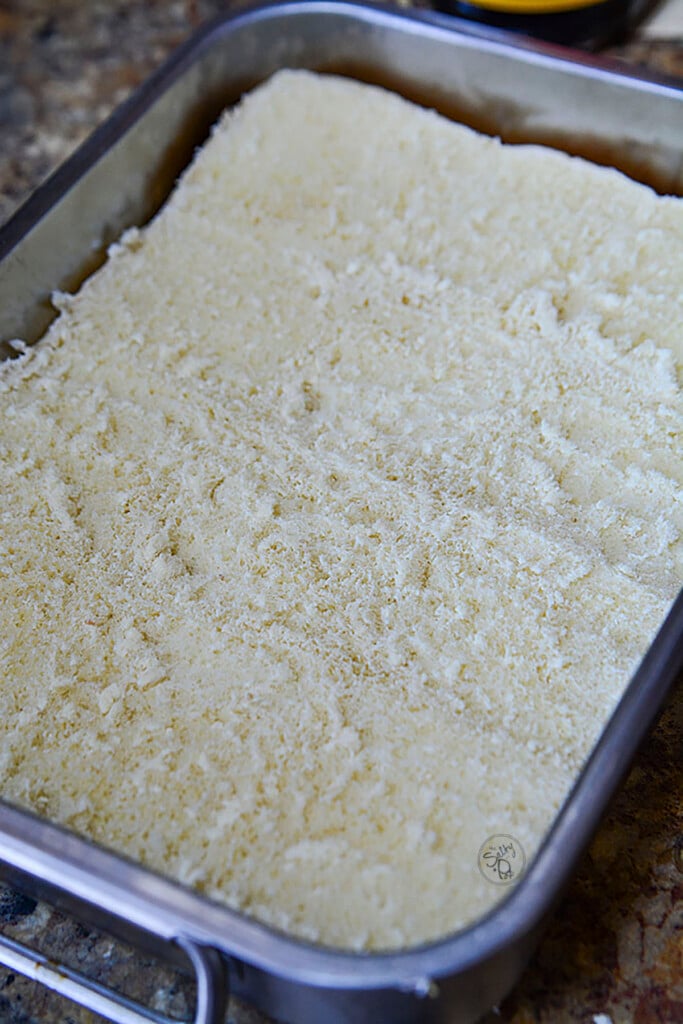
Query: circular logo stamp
column 501, row 859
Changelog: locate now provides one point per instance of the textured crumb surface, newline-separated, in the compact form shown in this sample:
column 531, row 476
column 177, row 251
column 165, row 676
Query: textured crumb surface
column 338, row 509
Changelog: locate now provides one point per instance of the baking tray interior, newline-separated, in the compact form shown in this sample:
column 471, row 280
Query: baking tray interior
column 122, row 175
column 520, row 91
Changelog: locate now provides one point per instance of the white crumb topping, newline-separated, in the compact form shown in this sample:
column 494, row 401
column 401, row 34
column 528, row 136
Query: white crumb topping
column 338, row 509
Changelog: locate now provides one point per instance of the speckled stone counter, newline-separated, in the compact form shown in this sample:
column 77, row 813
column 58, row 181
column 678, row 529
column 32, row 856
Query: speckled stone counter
column 614, row 949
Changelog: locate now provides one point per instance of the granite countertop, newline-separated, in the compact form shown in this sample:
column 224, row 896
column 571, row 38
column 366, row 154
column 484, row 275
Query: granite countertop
column 613, row 953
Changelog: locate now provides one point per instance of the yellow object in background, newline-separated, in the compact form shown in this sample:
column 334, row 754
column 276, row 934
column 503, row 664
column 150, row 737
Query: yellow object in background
column 534, row 6
column 572, row 22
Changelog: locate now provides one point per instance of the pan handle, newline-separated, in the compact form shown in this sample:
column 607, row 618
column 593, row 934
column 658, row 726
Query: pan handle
column 209, row 967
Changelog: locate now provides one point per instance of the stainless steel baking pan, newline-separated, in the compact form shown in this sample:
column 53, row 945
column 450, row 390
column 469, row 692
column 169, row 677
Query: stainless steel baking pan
column 521, row 91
